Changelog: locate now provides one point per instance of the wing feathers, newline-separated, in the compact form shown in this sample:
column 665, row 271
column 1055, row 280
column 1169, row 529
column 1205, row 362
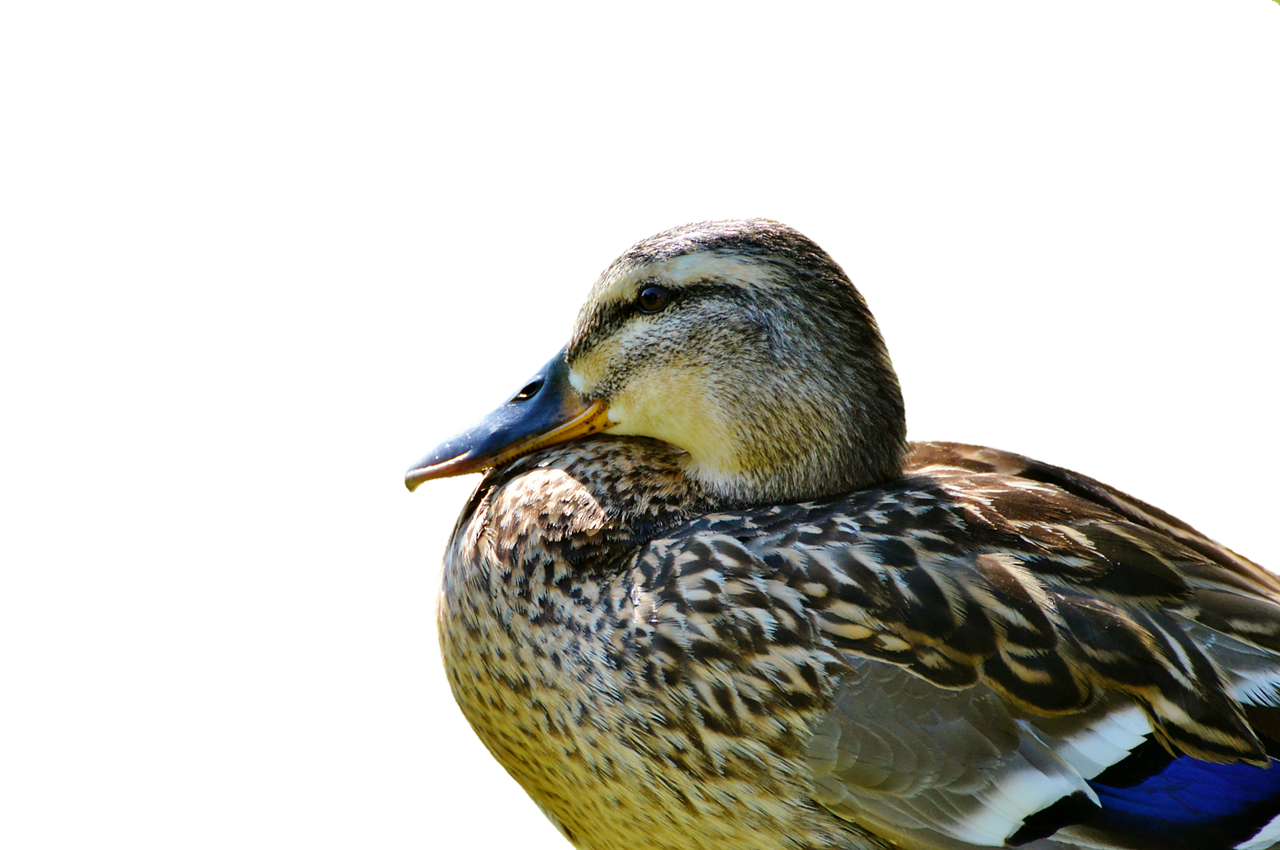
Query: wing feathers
column 1025, row 653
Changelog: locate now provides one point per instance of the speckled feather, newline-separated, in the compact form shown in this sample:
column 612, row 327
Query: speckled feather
column 978, row 650
column 635, row 661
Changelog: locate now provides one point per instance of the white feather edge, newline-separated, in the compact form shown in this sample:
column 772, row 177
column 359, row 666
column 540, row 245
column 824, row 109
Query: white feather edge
column 985, row 819
column 1263, row 839
column 1116, row 734
column 1007, row 805
column 1107, row 741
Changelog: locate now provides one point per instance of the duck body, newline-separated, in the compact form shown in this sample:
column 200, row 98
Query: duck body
column 940, row 646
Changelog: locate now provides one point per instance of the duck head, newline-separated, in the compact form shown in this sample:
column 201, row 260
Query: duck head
column 741, row 343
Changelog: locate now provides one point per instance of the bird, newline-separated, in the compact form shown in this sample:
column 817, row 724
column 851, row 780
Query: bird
column 708, row 596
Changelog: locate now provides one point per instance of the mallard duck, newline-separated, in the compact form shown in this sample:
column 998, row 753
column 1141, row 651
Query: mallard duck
column 708, row 597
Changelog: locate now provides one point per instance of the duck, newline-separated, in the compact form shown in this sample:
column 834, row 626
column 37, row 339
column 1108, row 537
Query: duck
column 707, row 596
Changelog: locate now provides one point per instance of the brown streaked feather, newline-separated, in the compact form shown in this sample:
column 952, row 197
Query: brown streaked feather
column 965, row 575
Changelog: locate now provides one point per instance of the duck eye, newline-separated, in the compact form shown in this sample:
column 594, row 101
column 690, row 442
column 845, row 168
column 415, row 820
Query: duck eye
column 652, row 299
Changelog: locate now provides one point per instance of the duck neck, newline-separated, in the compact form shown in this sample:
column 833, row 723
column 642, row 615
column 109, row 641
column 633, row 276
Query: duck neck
column 578, row 504
column 824, row 440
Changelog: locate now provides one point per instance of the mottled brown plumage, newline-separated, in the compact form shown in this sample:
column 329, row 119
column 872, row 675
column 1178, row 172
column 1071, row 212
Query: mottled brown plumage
column 749, row 615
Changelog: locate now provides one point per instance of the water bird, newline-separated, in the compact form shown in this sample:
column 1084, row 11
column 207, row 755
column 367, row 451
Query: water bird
column 707, row 596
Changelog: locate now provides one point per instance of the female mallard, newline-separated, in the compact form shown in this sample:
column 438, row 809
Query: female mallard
column 751, row 616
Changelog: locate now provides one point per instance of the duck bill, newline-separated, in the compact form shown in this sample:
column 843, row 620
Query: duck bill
column 548, row 410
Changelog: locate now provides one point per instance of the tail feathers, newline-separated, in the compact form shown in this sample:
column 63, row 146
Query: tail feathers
column 1188, row 804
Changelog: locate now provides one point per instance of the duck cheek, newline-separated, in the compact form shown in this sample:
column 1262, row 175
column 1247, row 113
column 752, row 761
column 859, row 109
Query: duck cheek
column 678, row 410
